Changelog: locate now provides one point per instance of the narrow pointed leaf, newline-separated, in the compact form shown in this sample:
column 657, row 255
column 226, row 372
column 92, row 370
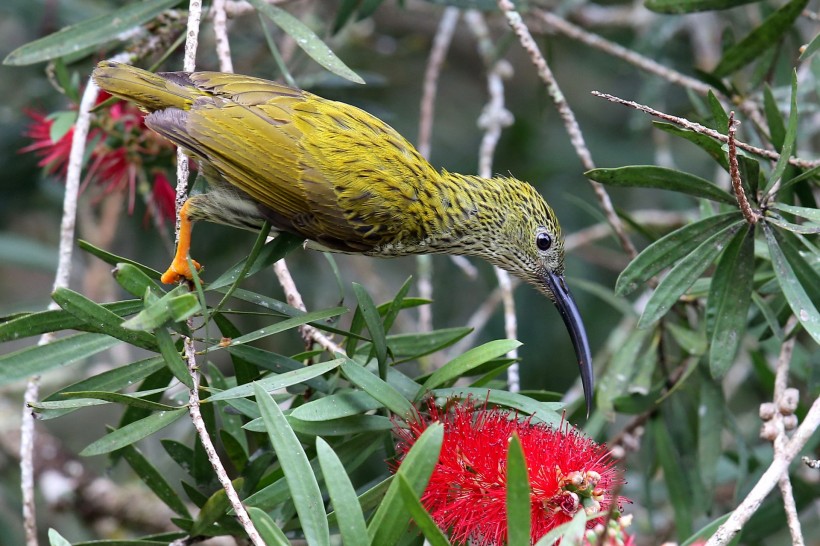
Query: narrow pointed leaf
column 41, row 358
column 420, row 516
column 115, row 260
column 774, row 118
column 271, row 534
column 154, row 479
column 135, row 280
column 172, row 358
column 172, row 307
column 692, row 6
column 791, row 132
column 272, row 252
column 680, row 494
column 730, row 295
column 799, row 301
column 112, row 380
column 337, row 406
column 214, row 508
column 760, row 39
column 683, row 275
column 307, row 40
column 650, row 176
column 519, row 522
column 462, row 364
column 349, row 513
column 374, row 325
column 276, row 382
column 809, row 50
column 93, row 313
column 34, row 324
column 542, row 411
column 390, row 520
column 304, row 489
column 276, row 363
column 88, row 33
column 286, row 324
column 708, row 144
column 804, row 212
column 132, row 432
column 711, row 407
column 378, row 389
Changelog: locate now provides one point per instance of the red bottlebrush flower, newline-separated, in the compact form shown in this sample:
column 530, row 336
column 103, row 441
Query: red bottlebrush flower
column 466, row 495
column 53, row 155
column 163, row 196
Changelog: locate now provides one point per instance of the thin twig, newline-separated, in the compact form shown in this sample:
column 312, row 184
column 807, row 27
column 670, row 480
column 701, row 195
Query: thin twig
column 65, row 253
column 734, row 173
column 189, row 64
column 768, row 480
column 568, row 116
column 646, row 64
column 493, row 120
column 294, row 298
column 616, row 50
column 781, row 382
column 438, row 52
column 223, row 45
column 698, row 128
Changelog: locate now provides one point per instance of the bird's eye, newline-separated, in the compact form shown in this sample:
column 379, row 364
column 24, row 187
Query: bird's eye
column 543, row 241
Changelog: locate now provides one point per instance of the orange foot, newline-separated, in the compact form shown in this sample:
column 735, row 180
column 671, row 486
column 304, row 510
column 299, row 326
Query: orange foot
column 179, row 270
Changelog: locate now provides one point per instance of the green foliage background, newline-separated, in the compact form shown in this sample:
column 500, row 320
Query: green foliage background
column 679, row 399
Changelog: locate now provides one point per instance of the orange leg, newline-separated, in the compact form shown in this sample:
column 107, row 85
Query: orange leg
column 179, row 269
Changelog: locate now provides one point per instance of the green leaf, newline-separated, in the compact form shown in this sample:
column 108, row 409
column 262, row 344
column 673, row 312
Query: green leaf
column 390, row 520
column 172, row 307
column 271, row 534
column 378, row 389
column 777, row 130
column 680, row 494
column 336, row 406
column 154, row 480
column 115, row 260
column 56, row 539
column 811, row 48
column 519, row 523
column 711, row 408
column 276, row 382
column 374, row 326
column 349, row 513
column 730, row 295
column 791, row 133
column 88, row 33
column 802, row 306
column 112, row 380
column 284, row 325
column 135, row 400
column 650, row 176
column 708, row 530
column 307, row 40
column 617, row 377
column 692, row 6
column 276, row 363
column 683, row 275
column 410, row 346
column 172, row 358
column 272, row 252
column 305, row 493
column 804, row 212
column 33, row 324
column 135, row 280
column 760, row 39
column 214, row 508
column 542, row 411
column 711, row 146
column 41, row 358
column 132, row 432
column 97, row 315
column 473, row 358
column 420, row 516
column 571, row 532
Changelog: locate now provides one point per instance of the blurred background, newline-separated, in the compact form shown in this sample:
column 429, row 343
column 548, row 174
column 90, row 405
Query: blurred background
column 390, row 49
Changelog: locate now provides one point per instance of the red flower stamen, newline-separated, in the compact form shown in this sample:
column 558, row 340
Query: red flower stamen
column 466, row 495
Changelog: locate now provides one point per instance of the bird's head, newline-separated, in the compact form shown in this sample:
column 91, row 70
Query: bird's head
column 533, row 249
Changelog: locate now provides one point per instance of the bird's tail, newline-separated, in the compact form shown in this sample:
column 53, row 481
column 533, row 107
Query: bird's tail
column 148, row 90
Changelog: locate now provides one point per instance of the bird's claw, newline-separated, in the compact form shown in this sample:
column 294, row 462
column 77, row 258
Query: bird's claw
column 179, row 270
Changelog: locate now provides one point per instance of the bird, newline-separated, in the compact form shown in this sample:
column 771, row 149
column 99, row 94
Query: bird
column 342, row 179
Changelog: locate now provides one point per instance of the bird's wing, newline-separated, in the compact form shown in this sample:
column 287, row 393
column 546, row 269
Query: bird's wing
column 342, row 177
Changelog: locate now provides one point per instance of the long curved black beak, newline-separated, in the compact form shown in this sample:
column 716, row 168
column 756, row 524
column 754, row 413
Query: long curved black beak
column 572, row 318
